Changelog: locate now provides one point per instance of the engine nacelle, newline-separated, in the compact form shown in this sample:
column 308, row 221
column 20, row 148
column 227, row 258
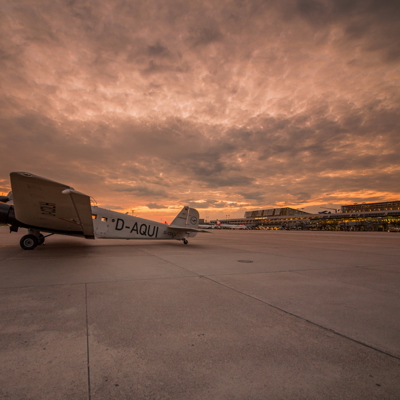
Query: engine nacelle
column 7, row 215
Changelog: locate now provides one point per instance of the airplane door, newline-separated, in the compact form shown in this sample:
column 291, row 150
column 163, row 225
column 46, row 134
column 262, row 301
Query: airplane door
column 102, row 227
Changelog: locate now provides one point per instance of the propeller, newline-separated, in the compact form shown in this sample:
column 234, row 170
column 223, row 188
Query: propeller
column 6, row 199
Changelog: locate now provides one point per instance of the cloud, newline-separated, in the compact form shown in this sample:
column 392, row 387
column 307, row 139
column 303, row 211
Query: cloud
column 260, row 102
column 154, row 206
column 211, row 204
column 142, row 191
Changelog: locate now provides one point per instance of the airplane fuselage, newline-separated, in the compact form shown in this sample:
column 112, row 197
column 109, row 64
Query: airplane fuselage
column 109, row 224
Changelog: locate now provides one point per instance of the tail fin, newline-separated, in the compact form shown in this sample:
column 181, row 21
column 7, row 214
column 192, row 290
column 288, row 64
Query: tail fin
column 187, row 218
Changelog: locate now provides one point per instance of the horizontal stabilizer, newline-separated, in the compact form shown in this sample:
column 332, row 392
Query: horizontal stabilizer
column 182, row 228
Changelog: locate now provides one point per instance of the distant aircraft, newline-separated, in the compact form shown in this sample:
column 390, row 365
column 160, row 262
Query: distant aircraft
column 43, row 205
column 228, row 226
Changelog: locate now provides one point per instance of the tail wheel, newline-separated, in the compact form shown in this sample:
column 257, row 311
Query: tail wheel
column 29, row 242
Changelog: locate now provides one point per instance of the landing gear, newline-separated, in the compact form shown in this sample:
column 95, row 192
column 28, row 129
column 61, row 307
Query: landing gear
column 32, row 240
column 29, row 242
column 40, row 240
column 185, row 241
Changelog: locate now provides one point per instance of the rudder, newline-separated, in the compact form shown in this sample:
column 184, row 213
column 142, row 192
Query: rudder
column 187, row 218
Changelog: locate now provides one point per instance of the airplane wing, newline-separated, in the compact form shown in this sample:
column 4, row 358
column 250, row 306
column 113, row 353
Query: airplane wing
column 182, row 228
column 43, row 203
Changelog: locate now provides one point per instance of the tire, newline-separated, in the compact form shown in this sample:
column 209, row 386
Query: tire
column 29, row 242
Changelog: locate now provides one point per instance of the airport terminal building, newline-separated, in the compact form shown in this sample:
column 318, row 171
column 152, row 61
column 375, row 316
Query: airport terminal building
column 383, row 216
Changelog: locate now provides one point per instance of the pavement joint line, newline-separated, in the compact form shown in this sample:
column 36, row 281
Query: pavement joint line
column 267, row 272
column 306, row 320
column 98, row 282
column 376, row 267
column 195, row 275
column 349, row 284
column 6, row 258
column 170, row 262
column 87, row 341
column 334, row 265
column 239, row 273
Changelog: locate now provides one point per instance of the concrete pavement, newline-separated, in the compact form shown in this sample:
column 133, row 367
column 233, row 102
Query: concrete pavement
column 232, row 315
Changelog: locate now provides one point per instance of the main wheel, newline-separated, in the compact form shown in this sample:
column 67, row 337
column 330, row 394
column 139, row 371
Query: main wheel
column 185, row 241
column 29, row 242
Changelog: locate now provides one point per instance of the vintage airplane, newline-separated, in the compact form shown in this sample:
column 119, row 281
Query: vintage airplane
column 43, row 205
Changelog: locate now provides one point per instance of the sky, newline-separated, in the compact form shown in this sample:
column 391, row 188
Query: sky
column 226, row 106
